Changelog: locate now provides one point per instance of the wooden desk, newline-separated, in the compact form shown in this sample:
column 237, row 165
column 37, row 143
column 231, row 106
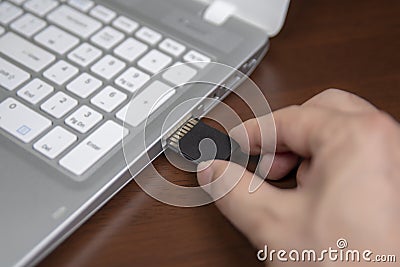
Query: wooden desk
column 352, row 45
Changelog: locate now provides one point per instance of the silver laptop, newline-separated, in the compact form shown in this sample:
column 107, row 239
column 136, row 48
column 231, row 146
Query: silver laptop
column 68, row 71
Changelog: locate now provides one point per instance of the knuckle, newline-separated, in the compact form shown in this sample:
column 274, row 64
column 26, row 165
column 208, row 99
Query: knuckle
column 293, row 108
column 333, row 91
column 377, row 125
column 330, row 93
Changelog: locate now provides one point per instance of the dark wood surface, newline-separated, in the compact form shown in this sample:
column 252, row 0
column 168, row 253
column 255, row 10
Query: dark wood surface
column 353, row 45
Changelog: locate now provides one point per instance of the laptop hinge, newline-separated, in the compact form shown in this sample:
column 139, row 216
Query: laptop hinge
column 218, row 12
column 269, row 15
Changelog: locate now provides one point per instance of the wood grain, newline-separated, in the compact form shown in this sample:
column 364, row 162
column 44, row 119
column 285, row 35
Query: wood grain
column 353, row 45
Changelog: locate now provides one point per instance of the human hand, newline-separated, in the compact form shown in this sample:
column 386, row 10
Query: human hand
column 348, row 181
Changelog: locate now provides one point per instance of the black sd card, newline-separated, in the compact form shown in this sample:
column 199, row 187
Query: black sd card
column 199, row 142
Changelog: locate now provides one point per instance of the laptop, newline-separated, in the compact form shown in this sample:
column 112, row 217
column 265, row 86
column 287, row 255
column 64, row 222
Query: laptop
column 68, row 71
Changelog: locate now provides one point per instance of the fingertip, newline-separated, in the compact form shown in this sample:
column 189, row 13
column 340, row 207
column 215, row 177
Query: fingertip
column 278, row 165
column 205, row 172
column 241, row 135
column 238, row 133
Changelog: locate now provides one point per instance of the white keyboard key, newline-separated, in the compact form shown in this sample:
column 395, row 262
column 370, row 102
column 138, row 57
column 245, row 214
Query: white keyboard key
column 102, row 13
column 74, row 21
column 125, row 24
column 56, row 39
column 35, row 91
column 25, row 52
column 2, row 30
column 82, row 5
column 132, row 79
column 197, row 59
column 84, row 54
column 59, row 104
column 40, row 7
column 18, row 2
column 55, row 142
column 11, row 76
column 148, row 35
column 108, row 67
column 93, row 148
column 148, row 101
column 130, row 49
column 9, row 12
column 107, row 37
column 179, row 74
column 172, row 47
column 84, row 85
column 60, row 72
column 109, row 99
column 83, row 119
column 20, row 121
column 154, row 61
column 28, row 25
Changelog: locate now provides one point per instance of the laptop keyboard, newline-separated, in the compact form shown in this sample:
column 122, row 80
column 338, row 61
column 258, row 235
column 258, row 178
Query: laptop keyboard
column 69, row 68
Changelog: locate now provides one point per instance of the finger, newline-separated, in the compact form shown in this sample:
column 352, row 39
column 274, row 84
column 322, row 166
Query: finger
column 278, row 166
column 302, row 172
column 249, row 134
column 252, row 213
column 299, row 129
column 340, row 100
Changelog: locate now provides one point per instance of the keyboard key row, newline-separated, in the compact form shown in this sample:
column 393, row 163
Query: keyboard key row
column 26, row 124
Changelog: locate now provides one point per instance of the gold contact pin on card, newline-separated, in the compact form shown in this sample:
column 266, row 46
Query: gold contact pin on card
column 182, row 131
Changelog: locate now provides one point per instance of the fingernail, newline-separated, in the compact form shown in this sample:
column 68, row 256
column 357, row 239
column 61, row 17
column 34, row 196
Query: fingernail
column 205, row 172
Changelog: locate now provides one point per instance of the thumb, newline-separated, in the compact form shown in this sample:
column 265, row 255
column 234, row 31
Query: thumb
column 228, row 183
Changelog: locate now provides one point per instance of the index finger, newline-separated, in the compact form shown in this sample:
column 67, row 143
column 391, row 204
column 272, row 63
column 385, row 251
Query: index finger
column 298, row 129
column 332, row 100
column 340, row 100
